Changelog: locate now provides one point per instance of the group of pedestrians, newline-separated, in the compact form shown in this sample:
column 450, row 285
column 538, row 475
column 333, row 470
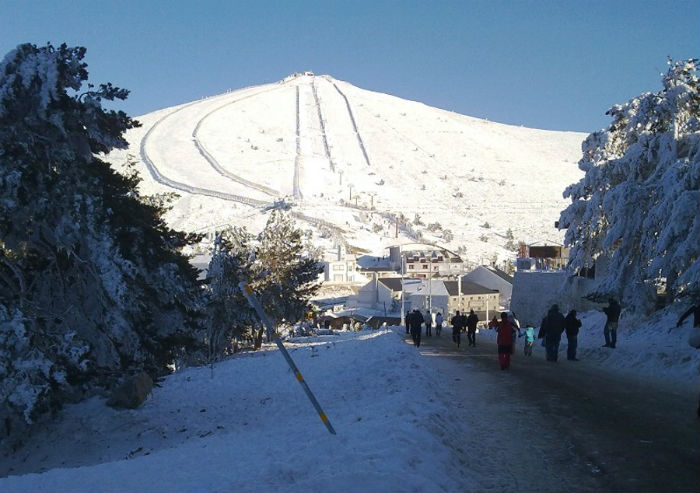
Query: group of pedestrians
column 415, row 321
column 460, row 322
column 553, row 326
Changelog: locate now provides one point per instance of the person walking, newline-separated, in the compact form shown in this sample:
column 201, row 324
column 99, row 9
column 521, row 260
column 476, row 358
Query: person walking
column 472, row 320
column 572, row 325
column 529, row 333
column 415, row 323
column 693, row 341
column 428, row 319
column 553, row 326
column 504, row 341
column 438, row 324
column 516, row 328
column 612, row 311
column 457, row 326
column 493, row 324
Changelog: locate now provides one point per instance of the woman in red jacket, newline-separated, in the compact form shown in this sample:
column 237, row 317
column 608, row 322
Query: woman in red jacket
column 504, row 341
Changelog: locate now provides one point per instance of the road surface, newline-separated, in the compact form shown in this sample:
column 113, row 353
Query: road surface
column 577, row 427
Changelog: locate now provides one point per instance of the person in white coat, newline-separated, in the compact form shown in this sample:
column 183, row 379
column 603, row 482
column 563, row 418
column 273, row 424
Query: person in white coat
column 438, row 324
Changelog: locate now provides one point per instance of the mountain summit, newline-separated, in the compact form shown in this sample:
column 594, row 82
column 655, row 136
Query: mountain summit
column 352, row 163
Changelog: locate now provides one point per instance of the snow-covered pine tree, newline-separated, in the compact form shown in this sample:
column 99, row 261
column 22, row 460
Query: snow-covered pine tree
column 286, row 276
column 92, row 282
column 638, row 202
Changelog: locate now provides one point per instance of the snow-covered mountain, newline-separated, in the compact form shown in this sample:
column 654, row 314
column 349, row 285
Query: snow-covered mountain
column 351, row 161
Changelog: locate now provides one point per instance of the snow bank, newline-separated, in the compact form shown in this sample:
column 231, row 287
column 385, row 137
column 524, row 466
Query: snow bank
column 252, row 428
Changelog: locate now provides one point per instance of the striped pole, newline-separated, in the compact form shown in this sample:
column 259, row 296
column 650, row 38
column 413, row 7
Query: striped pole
column 250, row 296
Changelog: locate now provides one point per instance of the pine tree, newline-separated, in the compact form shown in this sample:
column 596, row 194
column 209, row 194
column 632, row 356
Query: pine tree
column 278, row 266
column 639, row 199
column 92, row 282
column 286, row 277
column 510, row 244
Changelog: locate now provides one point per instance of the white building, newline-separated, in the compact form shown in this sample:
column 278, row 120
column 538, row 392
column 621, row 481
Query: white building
column 493, row 278
column 341, row 267
column 425, row 261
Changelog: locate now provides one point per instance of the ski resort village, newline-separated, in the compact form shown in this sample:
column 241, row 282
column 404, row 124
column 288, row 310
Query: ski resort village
column 304, row 285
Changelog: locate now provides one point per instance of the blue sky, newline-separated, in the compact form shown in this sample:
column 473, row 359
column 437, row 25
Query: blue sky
column 548, row 64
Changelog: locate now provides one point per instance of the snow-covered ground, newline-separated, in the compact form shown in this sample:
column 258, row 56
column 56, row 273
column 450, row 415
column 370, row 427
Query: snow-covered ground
column 249, row 426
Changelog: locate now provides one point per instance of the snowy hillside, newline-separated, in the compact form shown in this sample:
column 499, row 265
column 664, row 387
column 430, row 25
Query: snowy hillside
column 338, row 151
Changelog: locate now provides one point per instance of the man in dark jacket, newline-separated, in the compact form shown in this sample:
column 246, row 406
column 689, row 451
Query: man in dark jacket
column 610, row 330
column 472, row 320
column 552, row 326
column 416, row 320
column 458, row 323
column 572, row 325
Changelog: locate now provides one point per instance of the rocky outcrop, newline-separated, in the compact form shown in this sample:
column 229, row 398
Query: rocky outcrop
column 132, row 393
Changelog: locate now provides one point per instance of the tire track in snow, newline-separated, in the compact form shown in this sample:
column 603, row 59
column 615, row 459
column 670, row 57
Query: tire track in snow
column 212, row 160
column 164, row 180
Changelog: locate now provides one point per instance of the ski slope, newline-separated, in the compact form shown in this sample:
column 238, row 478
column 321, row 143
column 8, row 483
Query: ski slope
column 351, row 161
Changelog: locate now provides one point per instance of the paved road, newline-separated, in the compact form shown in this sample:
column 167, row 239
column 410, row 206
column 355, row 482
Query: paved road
column 596, row 430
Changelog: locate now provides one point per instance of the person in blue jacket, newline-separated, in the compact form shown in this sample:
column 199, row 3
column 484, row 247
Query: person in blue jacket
column 529, row 333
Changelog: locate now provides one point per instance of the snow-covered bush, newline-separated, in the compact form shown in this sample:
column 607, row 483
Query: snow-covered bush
column 638, row 202
column 29, row 371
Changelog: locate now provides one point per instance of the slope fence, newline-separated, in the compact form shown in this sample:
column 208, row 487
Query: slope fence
column 322, row 124
column 354, row 123
column 296, row 190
